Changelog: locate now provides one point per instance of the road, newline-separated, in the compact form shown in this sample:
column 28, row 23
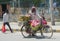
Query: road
column 17, row 36
column 14, row 25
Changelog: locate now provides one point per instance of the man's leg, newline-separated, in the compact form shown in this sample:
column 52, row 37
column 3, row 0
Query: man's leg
column 9, row 27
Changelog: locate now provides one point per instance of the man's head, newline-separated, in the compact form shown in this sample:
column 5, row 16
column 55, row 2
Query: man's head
column 6, row 11
column 33, row 9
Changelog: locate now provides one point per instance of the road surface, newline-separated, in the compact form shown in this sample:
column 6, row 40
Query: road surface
column 17, row 36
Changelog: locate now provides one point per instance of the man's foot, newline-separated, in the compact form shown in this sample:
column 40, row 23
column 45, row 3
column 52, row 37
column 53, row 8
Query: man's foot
column 11, row 31
column 33, row 35
column 29, row 35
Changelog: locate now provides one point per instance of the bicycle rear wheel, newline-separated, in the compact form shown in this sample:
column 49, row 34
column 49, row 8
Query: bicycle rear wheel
column 47, row 32
column 25, row 32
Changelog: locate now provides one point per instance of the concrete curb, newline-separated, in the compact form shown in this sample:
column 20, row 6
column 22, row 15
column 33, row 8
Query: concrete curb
column 12, row 29
column 54, row 30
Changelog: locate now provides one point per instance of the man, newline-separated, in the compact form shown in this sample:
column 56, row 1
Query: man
column 6, row 20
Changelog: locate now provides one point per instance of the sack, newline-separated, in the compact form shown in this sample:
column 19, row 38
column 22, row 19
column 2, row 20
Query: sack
column 36, row 27
column 3, row 29
column 34, row 23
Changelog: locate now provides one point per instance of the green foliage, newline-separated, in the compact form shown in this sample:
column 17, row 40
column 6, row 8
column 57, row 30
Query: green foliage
column 58, row 0
column 36, row 2
column 27, row 3
column 4, row 0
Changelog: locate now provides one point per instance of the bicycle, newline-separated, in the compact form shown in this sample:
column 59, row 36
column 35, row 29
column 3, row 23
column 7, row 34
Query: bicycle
column 27, row 29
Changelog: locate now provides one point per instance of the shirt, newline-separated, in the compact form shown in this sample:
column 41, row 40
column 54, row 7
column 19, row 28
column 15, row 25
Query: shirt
column 5, row 17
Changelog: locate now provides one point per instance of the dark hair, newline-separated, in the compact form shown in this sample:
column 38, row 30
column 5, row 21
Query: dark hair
column 6, row 11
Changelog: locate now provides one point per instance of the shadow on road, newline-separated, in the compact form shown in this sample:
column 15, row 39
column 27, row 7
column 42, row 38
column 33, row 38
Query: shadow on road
column 37, row 37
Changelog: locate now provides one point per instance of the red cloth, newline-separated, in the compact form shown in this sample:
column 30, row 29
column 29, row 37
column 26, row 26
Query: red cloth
column 3, row 29
column 44, row 21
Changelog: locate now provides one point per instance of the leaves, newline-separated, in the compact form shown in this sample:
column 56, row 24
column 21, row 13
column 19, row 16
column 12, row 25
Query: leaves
column 4, row 0
column 58, row 0
column 28, row 3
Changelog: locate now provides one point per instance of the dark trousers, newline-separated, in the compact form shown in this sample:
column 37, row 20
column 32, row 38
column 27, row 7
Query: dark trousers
column 7, row 23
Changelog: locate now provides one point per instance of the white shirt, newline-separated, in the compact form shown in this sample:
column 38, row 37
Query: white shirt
column 5, row 17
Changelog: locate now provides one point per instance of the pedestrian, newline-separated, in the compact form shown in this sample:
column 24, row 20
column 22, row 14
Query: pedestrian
column 6, row 20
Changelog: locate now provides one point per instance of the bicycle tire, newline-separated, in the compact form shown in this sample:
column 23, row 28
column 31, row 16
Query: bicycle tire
column 47, row 32
column 23, row 31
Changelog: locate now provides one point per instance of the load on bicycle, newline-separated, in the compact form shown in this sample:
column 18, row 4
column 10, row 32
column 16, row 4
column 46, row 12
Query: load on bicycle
column 32, row 24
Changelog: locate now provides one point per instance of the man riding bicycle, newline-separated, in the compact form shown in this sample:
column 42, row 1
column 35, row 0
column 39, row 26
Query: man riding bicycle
column 35, row 18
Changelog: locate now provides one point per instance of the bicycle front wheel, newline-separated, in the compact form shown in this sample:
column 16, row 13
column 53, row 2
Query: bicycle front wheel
column 47, row 32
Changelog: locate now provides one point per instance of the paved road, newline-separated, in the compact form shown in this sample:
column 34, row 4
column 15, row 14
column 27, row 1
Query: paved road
column 14, row 25
column 16, row 36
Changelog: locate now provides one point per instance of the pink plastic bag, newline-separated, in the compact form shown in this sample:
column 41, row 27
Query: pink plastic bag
column 34, row 23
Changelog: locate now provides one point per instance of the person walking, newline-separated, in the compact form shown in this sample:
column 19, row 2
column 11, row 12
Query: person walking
column 6, row 20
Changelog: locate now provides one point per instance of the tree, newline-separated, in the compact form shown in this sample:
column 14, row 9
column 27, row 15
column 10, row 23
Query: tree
column 28, row 3
column 25, row 3
column 58, row 0
column 4, row 0
column 36, row 2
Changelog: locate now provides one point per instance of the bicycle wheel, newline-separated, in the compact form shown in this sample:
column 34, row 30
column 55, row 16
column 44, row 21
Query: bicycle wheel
column 47, row 32
column 25, row 31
